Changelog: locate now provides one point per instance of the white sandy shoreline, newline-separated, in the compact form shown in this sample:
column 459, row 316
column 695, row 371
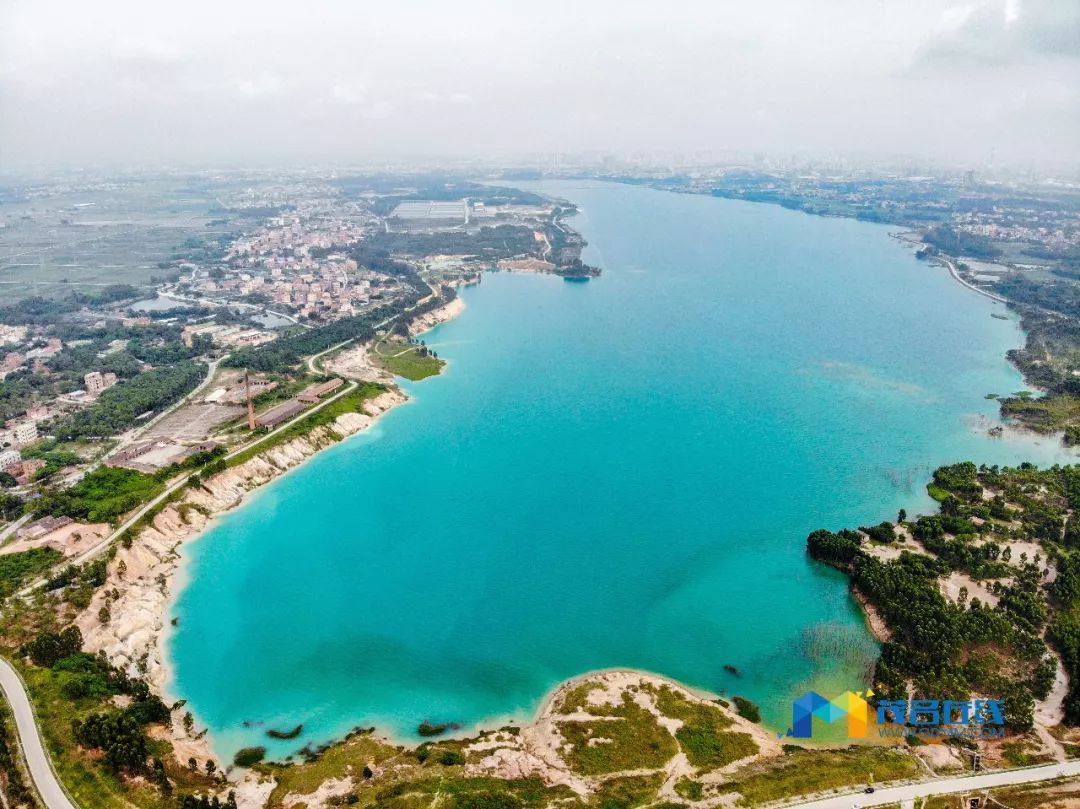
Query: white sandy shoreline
column 138, row 632
column 152, row 606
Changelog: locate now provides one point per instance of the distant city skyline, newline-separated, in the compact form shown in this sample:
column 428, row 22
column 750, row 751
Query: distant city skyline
column 330, row 82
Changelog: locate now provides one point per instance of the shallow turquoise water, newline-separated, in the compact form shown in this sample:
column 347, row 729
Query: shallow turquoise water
column 613, row 473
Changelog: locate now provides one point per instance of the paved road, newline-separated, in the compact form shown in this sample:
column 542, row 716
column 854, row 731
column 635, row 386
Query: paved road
column 315, row 368
column 956, row 275
column 178, row 483
column 941, row 786
column 129, row 438
column 52, row 793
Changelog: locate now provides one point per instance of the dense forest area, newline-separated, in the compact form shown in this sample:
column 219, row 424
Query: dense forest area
column 104, row 346
column 494, row 242
column 119, row 407
column 392, row 191
column 949, row 240
column 42, row 311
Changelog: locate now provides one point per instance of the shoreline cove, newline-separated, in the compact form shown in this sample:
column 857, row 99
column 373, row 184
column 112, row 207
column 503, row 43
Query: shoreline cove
column 137, row 636
column 139, row 632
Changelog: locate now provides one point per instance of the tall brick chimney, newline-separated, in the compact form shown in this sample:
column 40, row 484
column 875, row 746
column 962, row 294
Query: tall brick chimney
column 250, row 403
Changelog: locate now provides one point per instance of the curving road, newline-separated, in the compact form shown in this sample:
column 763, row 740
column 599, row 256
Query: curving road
column 41, row 772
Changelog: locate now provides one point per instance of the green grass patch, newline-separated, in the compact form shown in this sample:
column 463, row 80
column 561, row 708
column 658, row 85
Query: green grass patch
column 691, row 790
column 801, row 772
column 82, row 773
column 704, row 736
column 577, row 698
column 936, row 492
column 407, row 780
column 19, row 569
column 628, row 792
column 409, row 361
column 102, row 495
column 352, row 755
column 469, row 793
column 707, row 747
column 1060, row 792
column 1046, row 414
column 1017, row 754
column 631, row 740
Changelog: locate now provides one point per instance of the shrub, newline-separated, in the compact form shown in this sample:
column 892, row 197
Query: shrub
column 746, row 709
column 249, row 756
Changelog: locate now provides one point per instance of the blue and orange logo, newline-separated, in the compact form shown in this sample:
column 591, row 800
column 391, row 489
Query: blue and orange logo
column 930, row 718
column 849, row 705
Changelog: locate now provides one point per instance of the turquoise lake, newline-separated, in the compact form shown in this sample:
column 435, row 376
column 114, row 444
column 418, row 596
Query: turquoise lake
column 618, row 473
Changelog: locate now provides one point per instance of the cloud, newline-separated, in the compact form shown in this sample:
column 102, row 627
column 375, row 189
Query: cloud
column 141, row 79
column 352, row 94
column 263, row 85
column 1004, row 33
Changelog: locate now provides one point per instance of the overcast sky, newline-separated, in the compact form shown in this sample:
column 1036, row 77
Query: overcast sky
column 340, row 80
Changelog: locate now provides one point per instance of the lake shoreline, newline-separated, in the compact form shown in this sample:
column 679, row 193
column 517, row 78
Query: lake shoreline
column 175, row 584
column 137, row 635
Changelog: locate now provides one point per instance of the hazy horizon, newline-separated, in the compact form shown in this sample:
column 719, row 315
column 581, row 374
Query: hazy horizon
column 332, row 82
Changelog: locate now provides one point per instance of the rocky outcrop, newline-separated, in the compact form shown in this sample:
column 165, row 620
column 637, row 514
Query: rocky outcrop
column 430, row 320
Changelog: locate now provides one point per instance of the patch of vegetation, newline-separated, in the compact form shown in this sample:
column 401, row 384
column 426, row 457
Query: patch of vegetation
column 746, row 709
column 96, row 747
column 1017, row 754
column 19, row 569
column 249, row 756
column 883, row 533
column 468, row 793
column 13, row 780
column 411, row 361
column 357, row 751
column 1062, row 792
column 118, row 407
column 577, row 698
column 968, row 645
column 959, row 243
column 704, row 736
column 1046, row 414
column 631, row 740
column 689, row 789
column 627, row 792
column 802, row 772
column 101, row 495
